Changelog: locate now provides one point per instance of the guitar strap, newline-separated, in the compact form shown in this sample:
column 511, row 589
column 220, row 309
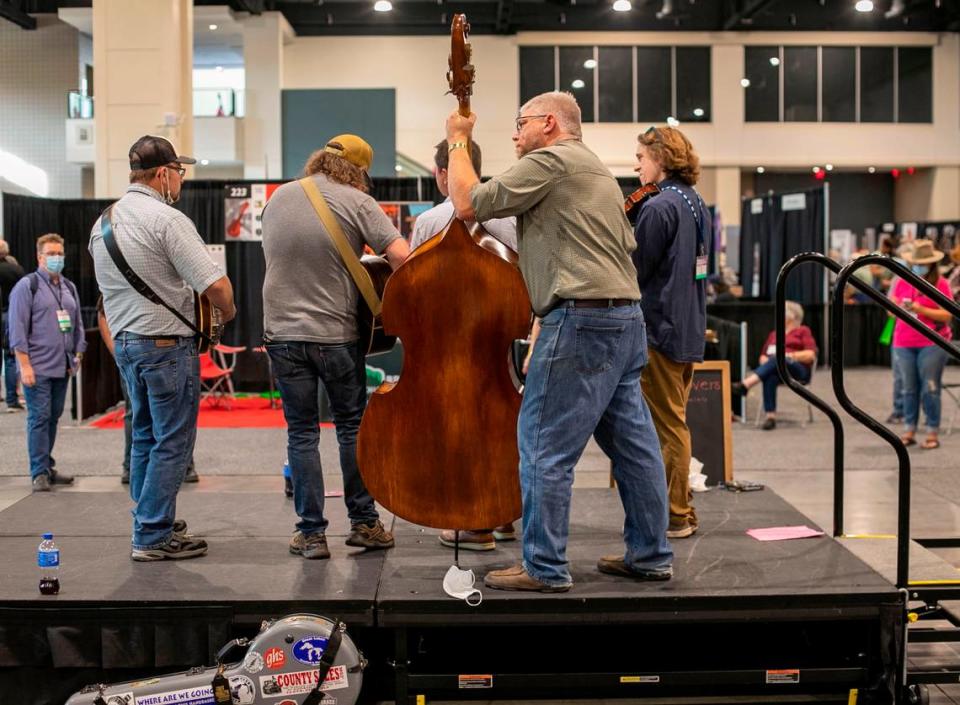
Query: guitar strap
column 140, row 286
column 360, row 276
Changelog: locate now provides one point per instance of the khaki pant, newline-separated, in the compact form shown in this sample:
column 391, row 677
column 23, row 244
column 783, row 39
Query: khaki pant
column 666, row 388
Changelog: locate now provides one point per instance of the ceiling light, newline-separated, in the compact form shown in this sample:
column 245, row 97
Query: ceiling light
column 698, row 112
column 578, row 83
column 760, row 170
column 590, row 64
column 383, row 6
column 872, row 170
column 398, row 168
column 745, row 82
column 219, row 68
column 829, row 167
column 816, row 170
column 204, row 162
column 622, row 6
column 864, row 6
column 774, row 60
column 672, row 121
column 214, row 27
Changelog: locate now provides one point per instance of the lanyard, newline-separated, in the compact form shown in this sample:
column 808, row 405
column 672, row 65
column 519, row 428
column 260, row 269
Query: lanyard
column 693, row 211
column 57, row 293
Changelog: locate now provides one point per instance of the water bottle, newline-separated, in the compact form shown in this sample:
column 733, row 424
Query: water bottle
column 287, row 479
column 48, row 561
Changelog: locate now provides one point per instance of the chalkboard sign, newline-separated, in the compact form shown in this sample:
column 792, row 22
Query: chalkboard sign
column 708, row 416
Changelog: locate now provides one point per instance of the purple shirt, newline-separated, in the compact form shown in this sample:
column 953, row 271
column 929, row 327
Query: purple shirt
column 34, row 329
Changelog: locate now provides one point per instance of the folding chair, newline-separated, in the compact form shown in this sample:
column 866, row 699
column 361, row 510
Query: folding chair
column 809, row 420
column 215, row 384
column 222, row 351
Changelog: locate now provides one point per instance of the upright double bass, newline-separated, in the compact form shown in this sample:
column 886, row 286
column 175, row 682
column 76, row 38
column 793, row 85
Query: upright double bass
column 439, row 447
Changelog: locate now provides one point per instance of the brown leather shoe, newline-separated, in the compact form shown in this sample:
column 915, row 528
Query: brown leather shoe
column 469, row 540
column 516, row 578
column 505, row 532
column 615, row 565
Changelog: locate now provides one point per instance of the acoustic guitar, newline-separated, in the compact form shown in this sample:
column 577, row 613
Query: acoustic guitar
column 373, row 339
column 209, row 323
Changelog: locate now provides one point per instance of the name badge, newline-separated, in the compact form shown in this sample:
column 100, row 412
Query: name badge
column 701, row 266
column 63, row 320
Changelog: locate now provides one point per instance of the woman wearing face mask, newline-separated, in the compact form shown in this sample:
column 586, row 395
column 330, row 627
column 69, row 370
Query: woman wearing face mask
column 919, row 361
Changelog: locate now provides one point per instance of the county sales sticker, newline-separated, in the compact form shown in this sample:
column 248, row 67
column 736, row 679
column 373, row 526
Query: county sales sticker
column 301, row 682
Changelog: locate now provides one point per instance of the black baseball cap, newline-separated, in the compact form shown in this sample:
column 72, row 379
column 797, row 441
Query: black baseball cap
column 151, row 151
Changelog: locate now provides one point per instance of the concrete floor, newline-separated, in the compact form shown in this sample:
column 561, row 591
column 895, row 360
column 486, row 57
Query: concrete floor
column 796, row 460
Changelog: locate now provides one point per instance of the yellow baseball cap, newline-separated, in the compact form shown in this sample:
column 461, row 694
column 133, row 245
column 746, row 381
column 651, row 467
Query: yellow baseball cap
column 352, row 148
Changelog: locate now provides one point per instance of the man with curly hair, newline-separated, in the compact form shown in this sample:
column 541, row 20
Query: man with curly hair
column 310, row 330
column 673, row 235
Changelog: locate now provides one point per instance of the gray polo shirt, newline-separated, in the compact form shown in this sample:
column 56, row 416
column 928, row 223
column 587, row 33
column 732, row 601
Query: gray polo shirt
column 574, row 238
column 308, row 294
column 163, row 247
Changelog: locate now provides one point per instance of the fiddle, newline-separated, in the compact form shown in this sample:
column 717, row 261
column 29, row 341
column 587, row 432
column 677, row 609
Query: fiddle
column 632, row 203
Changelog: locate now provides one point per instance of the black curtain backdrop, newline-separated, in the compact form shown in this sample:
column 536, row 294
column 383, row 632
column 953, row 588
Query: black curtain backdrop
column 777, row 235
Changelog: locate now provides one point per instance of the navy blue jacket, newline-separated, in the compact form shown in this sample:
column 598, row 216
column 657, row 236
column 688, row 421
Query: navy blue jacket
column 674, row 301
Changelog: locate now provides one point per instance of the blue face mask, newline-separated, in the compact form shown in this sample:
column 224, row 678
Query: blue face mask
column 920, row 269
column 55, row 263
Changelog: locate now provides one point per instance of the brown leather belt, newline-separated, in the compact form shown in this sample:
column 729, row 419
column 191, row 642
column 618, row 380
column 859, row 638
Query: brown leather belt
column 600, row 303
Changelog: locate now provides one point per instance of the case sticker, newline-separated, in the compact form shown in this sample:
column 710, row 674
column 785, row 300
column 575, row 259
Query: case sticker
column 309, row 650
column 119, row 699
column 253, row 662
column 475, row 681
column 275, row 658
column 786, row 675
column 300, row 682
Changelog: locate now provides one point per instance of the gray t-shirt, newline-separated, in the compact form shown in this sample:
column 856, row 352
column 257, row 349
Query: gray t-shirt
column 575, row 241
column 163, row 247
column 308, row 294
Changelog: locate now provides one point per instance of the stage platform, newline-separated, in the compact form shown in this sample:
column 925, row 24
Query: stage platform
column 766, row 619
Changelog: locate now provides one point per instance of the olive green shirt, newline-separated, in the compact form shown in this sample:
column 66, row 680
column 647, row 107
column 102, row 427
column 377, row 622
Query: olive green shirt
column 574, row 238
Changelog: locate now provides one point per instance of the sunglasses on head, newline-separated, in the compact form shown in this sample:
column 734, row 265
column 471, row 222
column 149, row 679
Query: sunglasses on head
column 653, row 133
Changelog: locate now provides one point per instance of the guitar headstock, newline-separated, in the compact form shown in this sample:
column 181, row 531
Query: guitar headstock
column 462, row 73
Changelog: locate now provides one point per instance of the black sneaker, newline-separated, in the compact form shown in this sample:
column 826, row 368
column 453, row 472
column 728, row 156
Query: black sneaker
column 312, row 546
column 125, row 476
column 370, row 536
column 177, row 547
column 191, row 475
column 58, row 478
column 41, row 483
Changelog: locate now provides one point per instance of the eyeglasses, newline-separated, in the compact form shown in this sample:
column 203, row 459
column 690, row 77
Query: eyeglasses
column 179, row 169
column 522, row 120
column 653, row 133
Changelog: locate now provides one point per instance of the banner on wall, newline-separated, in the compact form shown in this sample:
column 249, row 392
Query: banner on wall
column 244, row 204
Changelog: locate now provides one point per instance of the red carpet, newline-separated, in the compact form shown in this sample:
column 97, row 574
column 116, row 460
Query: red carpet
column 244, row 412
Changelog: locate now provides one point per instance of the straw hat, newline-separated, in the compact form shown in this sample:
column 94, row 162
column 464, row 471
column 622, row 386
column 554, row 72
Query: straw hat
column 920, row 252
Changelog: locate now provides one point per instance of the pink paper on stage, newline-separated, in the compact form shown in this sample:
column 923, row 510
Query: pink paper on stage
column 782, row 533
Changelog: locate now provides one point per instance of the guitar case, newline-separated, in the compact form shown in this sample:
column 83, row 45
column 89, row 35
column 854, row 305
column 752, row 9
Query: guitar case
column 281, row 666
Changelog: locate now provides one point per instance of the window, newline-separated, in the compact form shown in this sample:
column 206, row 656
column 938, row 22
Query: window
column 654, row 84
column 537, row 73
column 762, row 95
column 914, row 84
column 838, row 84
column 800, row 84
column 876, row 84
column 615, row 81
column 693, row 84
column 839, row 91
column 577, row 74
column 623, row 83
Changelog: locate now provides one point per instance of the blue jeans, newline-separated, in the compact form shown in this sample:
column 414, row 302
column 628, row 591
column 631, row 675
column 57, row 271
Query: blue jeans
column 127, row 425
column 768, row 374
column 583, row 380
column 300, row 368
column 897, row 385
column 9, row 366
column 922, row 373
column 44, row 406
column 163, row 385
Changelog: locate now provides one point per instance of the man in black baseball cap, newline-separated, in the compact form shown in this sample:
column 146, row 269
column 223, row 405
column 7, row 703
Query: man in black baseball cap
column 159, row 155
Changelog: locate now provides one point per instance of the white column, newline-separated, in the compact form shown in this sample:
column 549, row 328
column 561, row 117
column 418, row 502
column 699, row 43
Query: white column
column 143, row 68
column 727, row 193
column 263, row 39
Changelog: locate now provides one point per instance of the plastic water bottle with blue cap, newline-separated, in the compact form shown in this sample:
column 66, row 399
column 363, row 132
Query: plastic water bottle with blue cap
column 287, row 479
column 48, row 561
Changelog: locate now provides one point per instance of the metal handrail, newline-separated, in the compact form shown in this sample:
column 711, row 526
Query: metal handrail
column 800, row 389
column 836, row 370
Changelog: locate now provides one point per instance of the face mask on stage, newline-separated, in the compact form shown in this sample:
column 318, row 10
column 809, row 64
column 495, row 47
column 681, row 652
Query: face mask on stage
column 458, row 583
column 55, row 264
column 920, row 269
